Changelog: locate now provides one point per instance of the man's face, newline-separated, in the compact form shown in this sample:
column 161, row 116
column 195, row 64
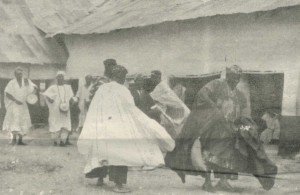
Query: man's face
column 233, row 80
column 156, row 78
column 60, row 79
column 88, row 79
column 19, row 73
column 139, row 82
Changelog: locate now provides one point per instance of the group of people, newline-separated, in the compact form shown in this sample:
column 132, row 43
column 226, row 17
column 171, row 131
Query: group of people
column 149, row 125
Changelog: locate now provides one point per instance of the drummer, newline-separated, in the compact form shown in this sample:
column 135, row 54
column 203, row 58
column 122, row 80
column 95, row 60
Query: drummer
column 17, row 119
column 58, row 97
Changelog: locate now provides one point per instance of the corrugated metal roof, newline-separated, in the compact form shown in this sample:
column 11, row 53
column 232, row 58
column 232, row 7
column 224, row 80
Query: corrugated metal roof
column 51, row 16
column 109, row 15
column 20, row 41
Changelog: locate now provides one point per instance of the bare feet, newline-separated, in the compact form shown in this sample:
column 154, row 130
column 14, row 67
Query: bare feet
column 13, row 142
column 121, row 189
column 20, row 143
column 223, row 185
column 100, row 182
column 207, row 186
column 182, row 176
column 62, row 144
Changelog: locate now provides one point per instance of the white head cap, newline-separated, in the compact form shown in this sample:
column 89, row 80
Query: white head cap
column 60, row 73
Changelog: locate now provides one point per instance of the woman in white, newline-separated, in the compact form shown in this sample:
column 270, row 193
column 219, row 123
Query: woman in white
column 57, row 98
column 17, row 119
column 83, row 94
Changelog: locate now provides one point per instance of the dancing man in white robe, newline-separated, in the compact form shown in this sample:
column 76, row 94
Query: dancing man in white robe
column 57, row 98
column 83, row 95
column 117, row 135
column 174, row 112
column 17, row 119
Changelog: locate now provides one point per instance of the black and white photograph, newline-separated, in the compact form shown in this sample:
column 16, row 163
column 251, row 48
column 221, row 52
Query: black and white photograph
column 154, row 97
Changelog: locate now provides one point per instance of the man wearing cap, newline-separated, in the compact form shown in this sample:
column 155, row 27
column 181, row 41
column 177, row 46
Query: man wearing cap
column 58, row 97
column 17, row 119
column 137, row 89
column 217, row 107
column 109, row 64
column 117, row 135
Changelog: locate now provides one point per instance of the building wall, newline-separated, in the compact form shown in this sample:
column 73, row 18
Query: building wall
column 257, row 41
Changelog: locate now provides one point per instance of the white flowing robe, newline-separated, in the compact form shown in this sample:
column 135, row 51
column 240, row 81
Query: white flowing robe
column 83, row 94
column 179, row 90
column 116, row 132
column 174, row 111
column 17, row 118
column 57, row 119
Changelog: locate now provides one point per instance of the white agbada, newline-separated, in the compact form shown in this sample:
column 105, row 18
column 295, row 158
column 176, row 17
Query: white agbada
column 116, row 132
column 174, row 111
column 17, row 118
column 83, row 94
column 57, row 119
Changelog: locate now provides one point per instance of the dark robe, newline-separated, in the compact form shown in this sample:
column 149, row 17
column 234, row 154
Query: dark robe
column 136, row 94
column 224, row 150
column 144, row 102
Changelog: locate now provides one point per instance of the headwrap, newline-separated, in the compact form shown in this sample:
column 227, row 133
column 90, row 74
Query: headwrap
column 109, row 62
column 87, row 75
column 235, row 69
column 18, row 68
column 155, row 72
column 119, row 71
column 60, row 73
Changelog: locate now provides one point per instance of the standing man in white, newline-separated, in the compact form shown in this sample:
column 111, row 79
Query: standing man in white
column 57, row 98
column 17, row 119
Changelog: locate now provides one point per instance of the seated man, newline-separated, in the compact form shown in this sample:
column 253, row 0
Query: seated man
column 272, row 132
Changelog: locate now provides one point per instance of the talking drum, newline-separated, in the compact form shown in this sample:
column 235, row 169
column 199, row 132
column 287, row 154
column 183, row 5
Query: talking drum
column 64, row 107
column 31, row 99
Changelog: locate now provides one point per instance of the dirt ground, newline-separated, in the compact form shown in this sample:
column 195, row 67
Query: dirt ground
column 42, row 169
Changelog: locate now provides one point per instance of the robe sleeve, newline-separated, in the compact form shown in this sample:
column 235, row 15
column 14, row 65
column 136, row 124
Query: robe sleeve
column 9, row 88
column 50, row 93
column 31, row 86
column 204, row 96
column 166, row 96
